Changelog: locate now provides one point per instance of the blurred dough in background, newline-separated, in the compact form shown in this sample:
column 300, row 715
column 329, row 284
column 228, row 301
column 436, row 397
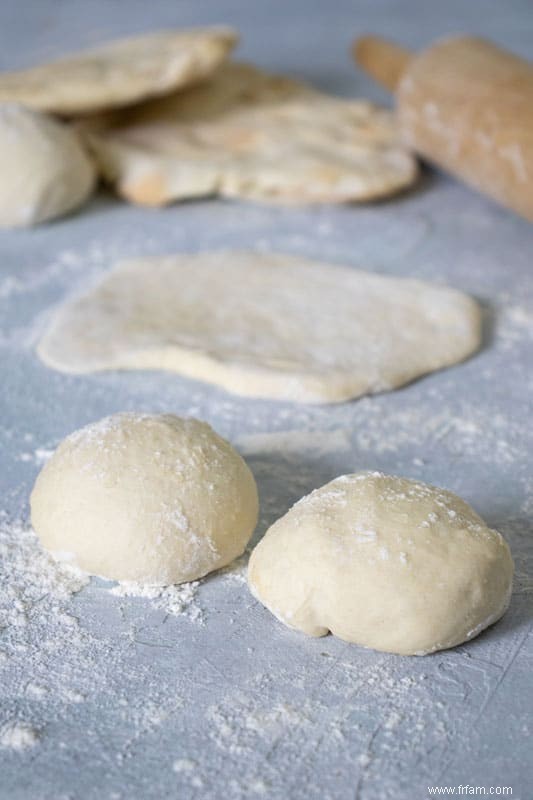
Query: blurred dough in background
column 120, row 72
column 44, row 169
column 264, row 325
column 249, row 134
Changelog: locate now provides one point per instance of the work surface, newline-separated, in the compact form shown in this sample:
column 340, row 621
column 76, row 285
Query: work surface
column 200, row 692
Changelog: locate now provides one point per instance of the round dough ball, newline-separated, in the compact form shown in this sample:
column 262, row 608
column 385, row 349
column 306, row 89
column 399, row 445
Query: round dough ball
column 384, row 562
column 45, row 170
column 150, row 498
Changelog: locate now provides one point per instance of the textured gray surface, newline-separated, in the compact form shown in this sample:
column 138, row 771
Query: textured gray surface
column 127, row 701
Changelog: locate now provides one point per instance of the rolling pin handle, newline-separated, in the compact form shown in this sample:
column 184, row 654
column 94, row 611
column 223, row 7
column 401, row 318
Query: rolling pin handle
column 382, row 60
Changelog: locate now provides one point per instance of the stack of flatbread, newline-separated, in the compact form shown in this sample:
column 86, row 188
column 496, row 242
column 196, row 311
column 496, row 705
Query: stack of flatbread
column 246, row 133
column 166, row 117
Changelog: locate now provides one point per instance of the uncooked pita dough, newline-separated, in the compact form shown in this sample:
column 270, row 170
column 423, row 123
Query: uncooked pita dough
column 249, row 134
column 145, row 497
column 44, row 170
column 264, row 325
column 384, row 562
column 119, row 72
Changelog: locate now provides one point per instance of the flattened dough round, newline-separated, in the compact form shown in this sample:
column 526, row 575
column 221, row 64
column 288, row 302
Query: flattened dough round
column 246, row 133
column 264, row 325
column 119, row 72
column 384, row 562
column 151, row 498
column 45, row 172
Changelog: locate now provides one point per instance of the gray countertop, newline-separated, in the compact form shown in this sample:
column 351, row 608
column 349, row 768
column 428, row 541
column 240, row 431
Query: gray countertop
column 200, row 692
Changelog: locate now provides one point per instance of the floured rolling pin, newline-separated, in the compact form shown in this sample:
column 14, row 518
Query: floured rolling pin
column 465, row 105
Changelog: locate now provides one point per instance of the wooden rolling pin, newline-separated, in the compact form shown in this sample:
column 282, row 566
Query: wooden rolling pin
column 465, row 105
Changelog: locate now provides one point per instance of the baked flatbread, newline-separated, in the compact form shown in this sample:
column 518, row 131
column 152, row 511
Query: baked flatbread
column 246, row 133
column 120, row 72
column 264, row 325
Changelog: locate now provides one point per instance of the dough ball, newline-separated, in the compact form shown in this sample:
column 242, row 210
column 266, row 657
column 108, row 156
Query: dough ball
column 384, row 562
column 45, row 170
column 150, row 498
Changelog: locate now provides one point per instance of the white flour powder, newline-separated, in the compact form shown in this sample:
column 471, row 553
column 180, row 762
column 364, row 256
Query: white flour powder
column 18, row 736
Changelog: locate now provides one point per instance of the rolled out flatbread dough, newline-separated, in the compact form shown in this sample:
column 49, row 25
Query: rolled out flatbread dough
column 119, row 72
column 246, row 133
column 264, row 325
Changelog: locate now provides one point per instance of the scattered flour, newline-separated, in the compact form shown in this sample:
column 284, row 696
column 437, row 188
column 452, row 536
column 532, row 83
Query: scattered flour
column 35, row 624
column 41, row 637
column 184, row 765
column 177, row 600
column 30, row 576
column 236, row 572
column 188, row 768
column 241, row 720
column 514, row 325
column 39, row 456
column 36, row 690
column 476, row 432
column 18, row 736
column 295, row 442
column 64, row 265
